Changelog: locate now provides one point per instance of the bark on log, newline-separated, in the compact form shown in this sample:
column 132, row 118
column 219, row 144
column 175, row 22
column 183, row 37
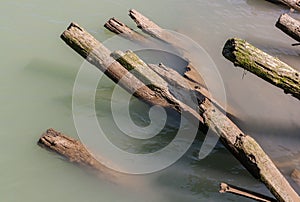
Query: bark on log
column 226, row 188
column 267, row 67
column 242, row 146
column 289, row 25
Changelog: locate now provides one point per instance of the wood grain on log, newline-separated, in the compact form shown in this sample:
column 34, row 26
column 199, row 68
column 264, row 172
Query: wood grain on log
column 289, row 25
column 267, row 67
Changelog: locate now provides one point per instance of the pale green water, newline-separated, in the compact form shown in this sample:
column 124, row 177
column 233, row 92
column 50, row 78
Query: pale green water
column 38, row 72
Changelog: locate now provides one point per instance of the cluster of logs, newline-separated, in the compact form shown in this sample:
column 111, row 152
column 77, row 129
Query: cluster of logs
column 118, row 66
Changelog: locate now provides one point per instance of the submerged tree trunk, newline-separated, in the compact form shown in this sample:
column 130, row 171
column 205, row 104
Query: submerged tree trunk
column 267, row 67
column 289, row 25
column 73, row 150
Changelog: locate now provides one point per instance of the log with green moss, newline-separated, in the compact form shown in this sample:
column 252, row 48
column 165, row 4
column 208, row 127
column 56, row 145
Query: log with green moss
column 267, row 67
column 289, row 25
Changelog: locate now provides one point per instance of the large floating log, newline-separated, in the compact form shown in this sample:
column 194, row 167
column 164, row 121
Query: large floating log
column 242, row 146
column 290, row 26
column 267, row 67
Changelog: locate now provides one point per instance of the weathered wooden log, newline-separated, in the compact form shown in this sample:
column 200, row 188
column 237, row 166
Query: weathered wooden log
column 143, row 71
column 242, row 146
column 267, row 67
column 157, row 32
column 73, row 151
column 293, row 4
column 117, row 27
column 226, row 188
column 289, row 25
column 98, row 55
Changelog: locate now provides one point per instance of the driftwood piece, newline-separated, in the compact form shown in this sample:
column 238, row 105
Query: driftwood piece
column 191, row 75
column 293, row 4
column 289, row 25
column 267, row 67
column 157, row 32
column 226, row 188
column 73, row 150
column 98, row 55
column 186, row 101
column 242, row 146
column 117, row 27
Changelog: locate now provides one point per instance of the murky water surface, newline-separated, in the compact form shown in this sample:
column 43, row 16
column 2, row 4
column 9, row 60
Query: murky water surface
column 38, row 72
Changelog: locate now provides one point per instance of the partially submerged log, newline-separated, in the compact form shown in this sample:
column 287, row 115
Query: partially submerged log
column 157, row 32
column 267, row 67
column 73, row 151
column 226, row 188
column 117, row 27
column 98, row 55
column 293, row 4
column 242, row 146
column 289, row 25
